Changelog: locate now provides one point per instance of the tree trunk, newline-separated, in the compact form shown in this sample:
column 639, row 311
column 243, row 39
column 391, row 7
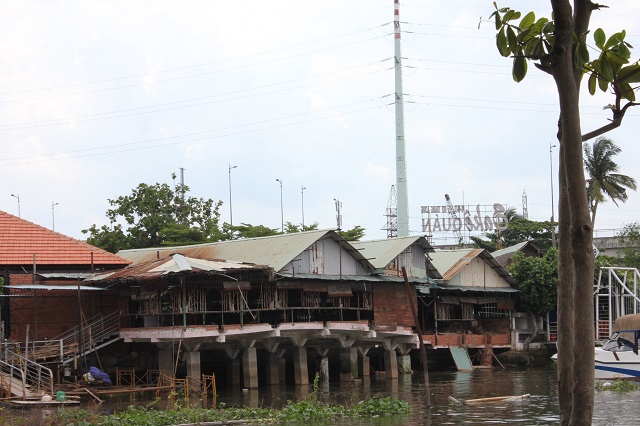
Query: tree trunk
column 575, row 269
column 536, row 331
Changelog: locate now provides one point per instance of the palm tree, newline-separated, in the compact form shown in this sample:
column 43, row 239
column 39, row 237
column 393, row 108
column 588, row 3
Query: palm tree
column 603, row 180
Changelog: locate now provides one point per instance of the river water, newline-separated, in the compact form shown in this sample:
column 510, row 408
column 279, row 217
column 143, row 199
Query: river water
column 611, row 408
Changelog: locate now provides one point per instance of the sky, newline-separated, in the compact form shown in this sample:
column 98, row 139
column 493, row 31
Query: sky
column 97, row 97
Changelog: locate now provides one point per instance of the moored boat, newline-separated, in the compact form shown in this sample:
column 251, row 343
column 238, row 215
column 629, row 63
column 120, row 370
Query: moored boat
column 618, row 358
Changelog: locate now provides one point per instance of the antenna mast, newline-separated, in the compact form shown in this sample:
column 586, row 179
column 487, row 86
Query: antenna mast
column 392, row 214
column 401, row 165
column 525, row 207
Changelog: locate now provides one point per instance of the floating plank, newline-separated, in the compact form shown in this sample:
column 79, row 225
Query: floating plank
column 461, row 358
column 497, row 399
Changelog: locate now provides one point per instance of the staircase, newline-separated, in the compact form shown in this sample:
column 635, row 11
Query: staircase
column 617, row 293
column 22, row 378
column 96, row 333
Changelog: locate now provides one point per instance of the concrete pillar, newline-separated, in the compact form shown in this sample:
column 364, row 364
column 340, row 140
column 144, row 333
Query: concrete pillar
column 282, row 362
column 234, row 372
column 364, row 366
column 324, row 369
column 250, row 368
column 273, row 369
column 165, row 361
column 348, row 364
column 193, row 364
column 391, row 364
column 300, row 366
column 193, row 368
column 404, row 364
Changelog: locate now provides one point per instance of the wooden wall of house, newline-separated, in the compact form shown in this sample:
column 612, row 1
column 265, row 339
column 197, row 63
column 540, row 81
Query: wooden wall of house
column 326, row 257
column 414, row 261
column 57, row 310
column 391, row 307
column 479, row 274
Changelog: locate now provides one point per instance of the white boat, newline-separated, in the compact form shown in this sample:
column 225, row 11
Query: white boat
column 618, row 358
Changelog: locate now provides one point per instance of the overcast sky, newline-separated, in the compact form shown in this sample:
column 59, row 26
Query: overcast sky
column 97, row 97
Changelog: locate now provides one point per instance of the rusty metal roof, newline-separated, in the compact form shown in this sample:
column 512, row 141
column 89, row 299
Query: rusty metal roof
column 175, row 264
column 381, row 252
column 451, row 262
column 274, row 251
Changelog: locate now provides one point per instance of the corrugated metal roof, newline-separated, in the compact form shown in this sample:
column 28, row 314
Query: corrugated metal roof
column 509, row 250
column 66, row 275
column 367, row 278
column 381, row 252
column 275, row 251
column 52, row 287
column 176, row 264
column 20, row 240
column 451, row 262
column 428, row 289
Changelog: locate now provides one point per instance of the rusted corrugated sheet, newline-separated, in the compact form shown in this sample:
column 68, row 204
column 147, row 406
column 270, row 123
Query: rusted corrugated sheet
column 275, row 251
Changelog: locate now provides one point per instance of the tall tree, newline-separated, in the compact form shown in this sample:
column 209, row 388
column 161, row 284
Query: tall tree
column 537, row 279
column 157, row 215
column 630, row 242
column 518, row 230
column 603, row 181
column 559, row 48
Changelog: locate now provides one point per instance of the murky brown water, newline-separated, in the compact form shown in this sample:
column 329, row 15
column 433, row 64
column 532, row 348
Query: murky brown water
column 611, row 408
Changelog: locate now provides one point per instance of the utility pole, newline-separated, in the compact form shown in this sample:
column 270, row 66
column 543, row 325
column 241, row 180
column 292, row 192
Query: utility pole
column 53, row 215
column 303, row 188
column 230, row 208
column 281, row 207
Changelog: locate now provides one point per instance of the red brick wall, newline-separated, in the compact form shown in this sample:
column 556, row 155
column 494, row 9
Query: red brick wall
column 475, row 339
column 391, row 308
column 57, row 310
column 450, row 339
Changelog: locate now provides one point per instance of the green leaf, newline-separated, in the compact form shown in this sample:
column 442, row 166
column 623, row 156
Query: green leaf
column 538, row 49
column 528, row 20
column 593, row 80
column 502, row 43
column 615, row 39
column 603, row 84
column 606, row 68
column 629, row 74
column 581, row 55
column 512, row 39
column 599, row 37
column 498, row 21
column 627, row 92
column 519, row 68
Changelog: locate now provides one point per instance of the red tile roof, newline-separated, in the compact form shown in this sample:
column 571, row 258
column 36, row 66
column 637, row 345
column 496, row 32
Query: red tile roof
column 21, row 239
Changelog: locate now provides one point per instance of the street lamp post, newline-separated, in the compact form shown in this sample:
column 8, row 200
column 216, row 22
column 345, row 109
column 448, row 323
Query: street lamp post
column 53, row 215
column 303, row 188
column 18, row 197
column 553, row 225
column 230, row 207
column 281, row 208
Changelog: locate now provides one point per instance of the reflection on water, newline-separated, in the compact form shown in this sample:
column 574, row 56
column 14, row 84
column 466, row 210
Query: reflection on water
column 541, row 408
column 612, row 408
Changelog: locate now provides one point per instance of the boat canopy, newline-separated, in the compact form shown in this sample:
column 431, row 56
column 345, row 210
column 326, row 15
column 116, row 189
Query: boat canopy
column 627, row 323
column 628, row 328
